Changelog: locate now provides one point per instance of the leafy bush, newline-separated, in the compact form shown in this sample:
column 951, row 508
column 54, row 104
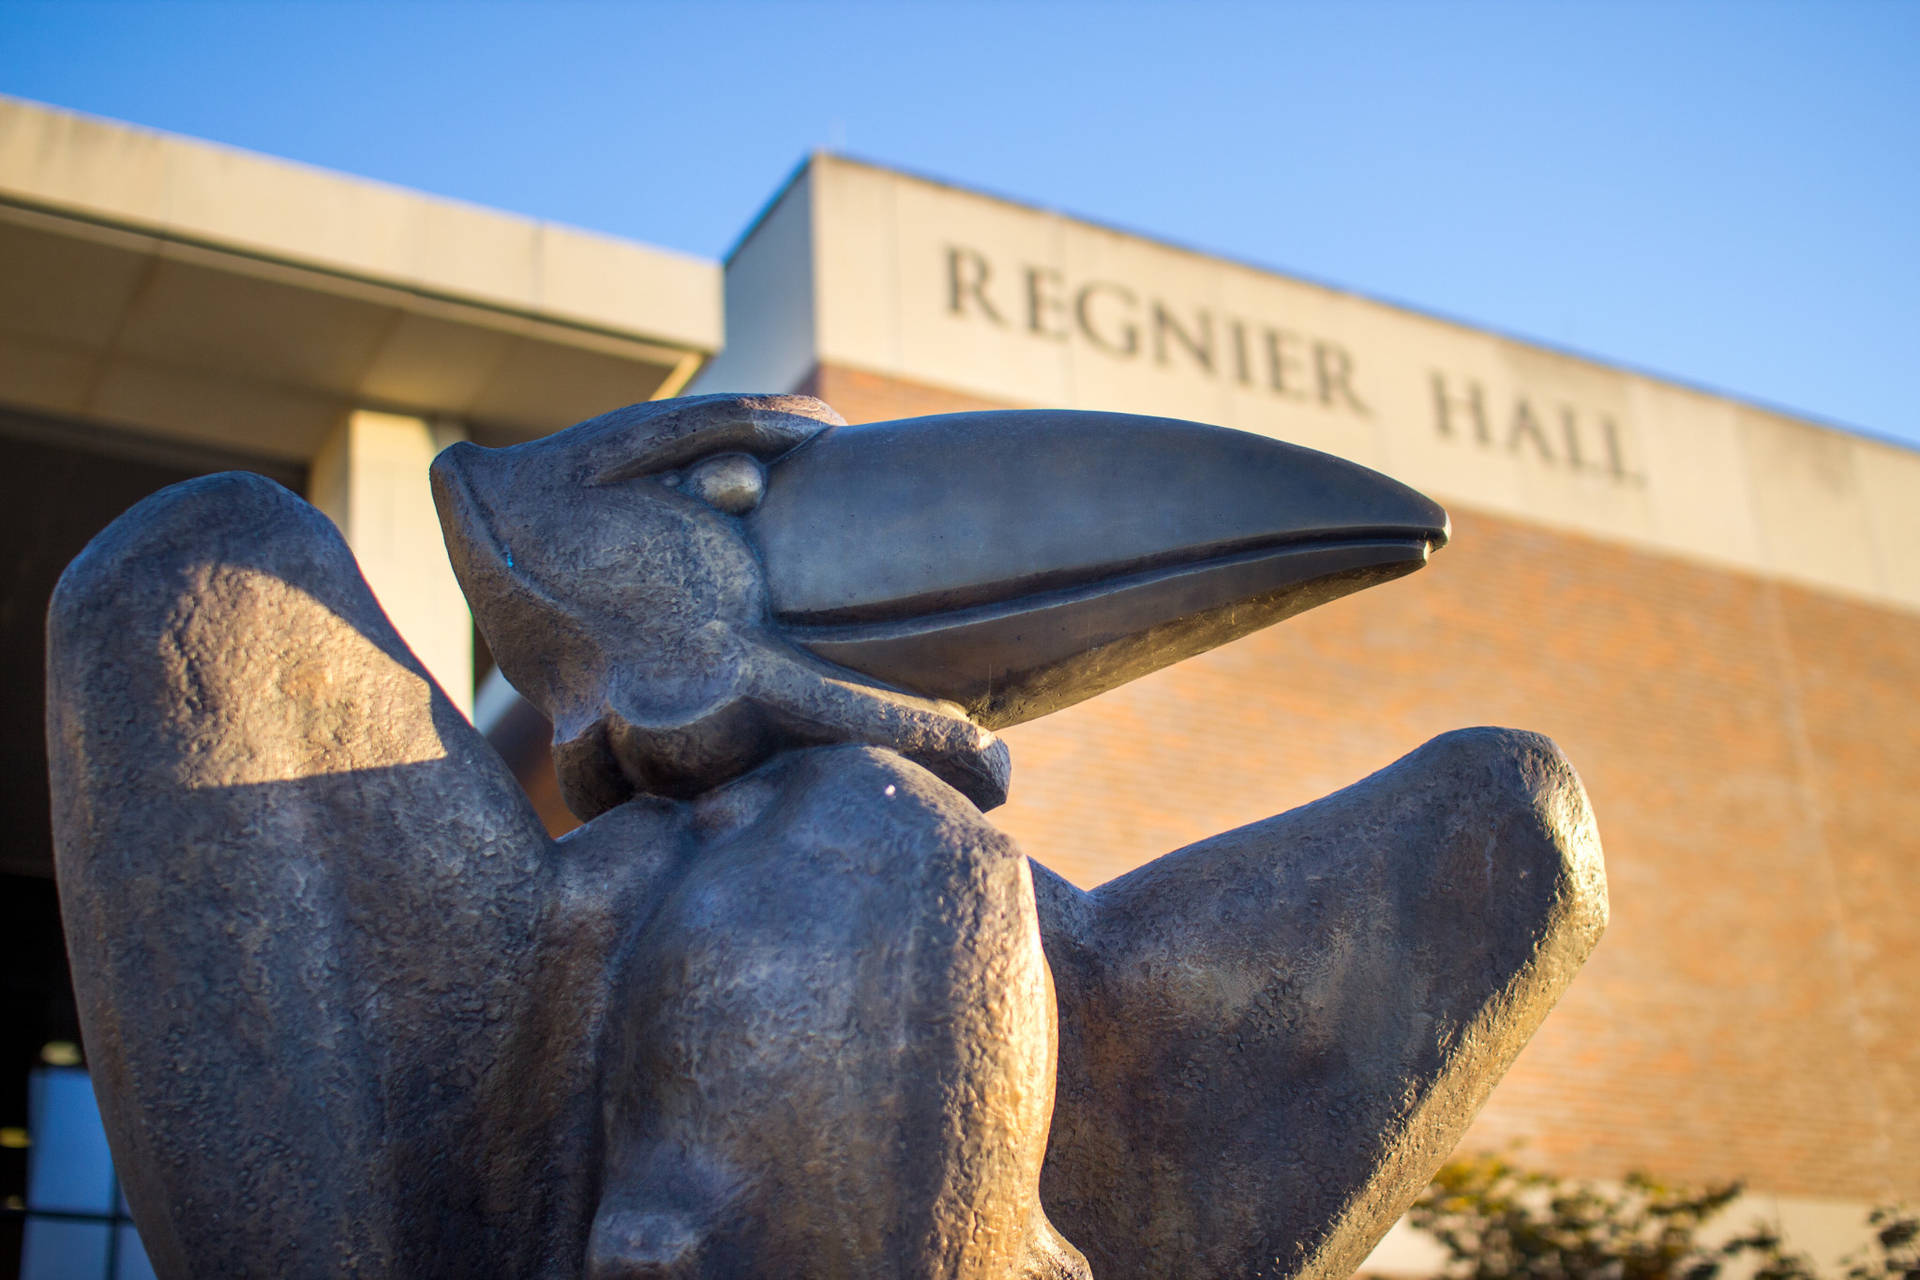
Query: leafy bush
column 1498, row 1221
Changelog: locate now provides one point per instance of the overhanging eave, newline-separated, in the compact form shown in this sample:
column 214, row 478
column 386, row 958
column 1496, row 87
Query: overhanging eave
column 168, row 285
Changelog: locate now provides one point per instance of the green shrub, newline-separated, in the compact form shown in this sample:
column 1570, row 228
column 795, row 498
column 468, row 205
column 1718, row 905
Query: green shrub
column 1497, row 1221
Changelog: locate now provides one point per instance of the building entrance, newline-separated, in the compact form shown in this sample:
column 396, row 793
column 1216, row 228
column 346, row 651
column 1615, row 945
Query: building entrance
column 63, row 482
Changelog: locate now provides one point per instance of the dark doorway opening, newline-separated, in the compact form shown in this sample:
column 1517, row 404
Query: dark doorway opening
column 61, row 482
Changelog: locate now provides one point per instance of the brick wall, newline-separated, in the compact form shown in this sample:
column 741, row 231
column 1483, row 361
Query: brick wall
column 1752, row 751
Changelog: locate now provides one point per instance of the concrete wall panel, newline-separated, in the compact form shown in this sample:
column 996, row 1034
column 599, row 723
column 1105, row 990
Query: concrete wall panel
column 1002, row 302
column 771, row 331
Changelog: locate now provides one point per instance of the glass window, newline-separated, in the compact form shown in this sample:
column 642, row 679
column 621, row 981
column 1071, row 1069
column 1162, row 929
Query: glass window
column 76, row 1226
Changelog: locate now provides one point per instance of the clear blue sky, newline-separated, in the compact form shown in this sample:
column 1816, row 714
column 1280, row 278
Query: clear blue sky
column 1727, row 194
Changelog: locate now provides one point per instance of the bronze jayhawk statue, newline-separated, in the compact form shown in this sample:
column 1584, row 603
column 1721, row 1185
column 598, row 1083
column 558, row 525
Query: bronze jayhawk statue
column 787, row 1005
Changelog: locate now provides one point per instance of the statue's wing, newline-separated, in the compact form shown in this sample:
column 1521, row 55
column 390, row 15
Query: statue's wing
column 308, row 910
column 1270, row 1040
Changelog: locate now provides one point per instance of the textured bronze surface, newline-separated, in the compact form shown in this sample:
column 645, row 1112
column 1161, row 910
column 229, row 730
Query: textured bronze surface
column 1271, row 1039
column 788, row 1006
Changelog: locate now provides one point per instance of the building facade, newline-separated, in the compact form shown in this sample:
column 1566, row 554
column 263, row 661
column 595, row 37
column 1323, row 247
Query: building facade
column 1713, row 607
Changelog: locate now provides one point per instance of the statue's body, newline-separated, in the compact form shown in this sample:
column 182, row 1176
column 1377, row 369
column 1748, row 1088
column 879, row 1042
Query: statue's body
column 788, row 1005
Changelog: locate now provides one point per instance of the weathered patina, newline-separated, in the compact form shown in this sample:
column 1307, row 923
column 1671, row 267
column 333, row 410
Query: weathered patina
column 788, row 1005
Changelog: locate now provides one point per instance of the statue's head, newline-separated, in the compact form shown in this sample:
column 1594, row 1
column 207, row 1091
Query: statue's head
column 687, row 586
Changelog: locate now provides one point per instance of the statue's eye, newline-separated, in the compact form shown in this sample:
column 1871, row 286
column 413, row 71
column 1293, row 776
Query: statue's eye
column 729, row 482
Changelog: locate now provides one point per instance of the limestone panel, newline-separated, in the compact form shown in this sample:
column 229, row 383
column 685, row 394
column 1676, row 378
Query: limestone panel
column 242, row 204
column 432, row 364
column 856, row 265
column 770, row 304
column 1569, row 428
column 1141, row 328
column 198, row 317
column 1890, row 481
column 1000, row 302
column 1813, row 520
column 74, row 161
column 221, row 195
column 59, row 289
column 476, row 251
column 599, row 280
column 1687, row 434
column 1442, row 425
column 1297, row 371
column 538, row 386
column 213, row 410
column 962, row 313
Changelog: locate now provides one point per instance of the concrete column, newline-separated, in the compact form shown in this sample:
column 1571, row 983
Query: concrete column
column 370, row 477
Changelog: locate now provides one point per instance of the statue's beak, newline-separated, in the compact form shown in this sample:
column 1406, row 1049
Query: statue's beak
column 1016, row 562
